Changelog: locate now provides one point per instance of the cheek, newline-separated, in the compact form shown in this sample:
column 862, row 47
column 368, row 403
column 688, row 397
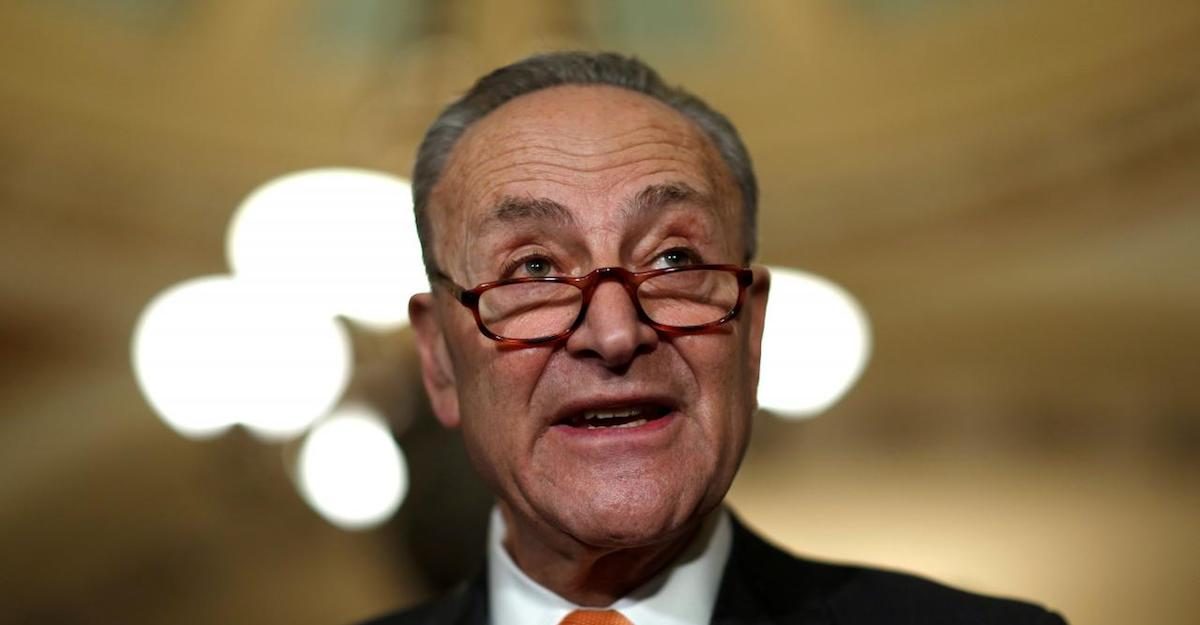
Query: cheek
column 720, row 365
column 511, row 375
column 495, row 391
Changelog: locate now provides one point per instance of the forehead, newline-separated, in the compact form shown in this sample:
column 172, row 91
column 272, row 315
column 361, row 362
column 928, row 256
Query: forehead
column 584, row 147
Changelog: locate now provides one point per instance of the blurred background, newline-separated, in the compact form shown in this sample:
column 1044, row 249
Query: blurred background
column 1010, row 189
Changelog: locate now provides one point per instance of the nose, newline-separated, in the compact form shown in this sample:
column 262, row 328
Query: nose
column 611, row 330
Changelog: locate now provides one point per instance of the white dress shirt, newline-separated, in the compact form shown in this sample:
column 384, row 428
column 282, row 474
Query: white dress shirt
column 683, row 594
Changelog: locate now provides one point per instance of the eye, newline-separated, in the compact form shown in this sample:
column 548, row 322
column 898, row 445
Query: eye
column 532, row 266
column 676, row 257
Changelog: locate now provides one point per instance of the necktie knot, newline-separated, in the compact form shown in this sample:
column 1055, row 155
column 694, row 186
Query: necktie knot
column 595, row 617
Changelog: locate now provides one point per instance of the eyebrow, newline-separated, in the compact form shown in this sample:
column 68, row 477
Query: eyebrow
column 512, row 208
column 659, row 196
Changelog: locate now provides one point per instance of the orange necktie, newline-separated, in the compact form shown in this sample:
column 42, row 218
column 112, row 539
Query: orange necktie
column 595, row 617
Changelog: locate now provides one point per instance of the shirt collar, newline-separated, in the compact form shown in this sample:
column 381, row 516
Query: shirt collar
column 683, row 594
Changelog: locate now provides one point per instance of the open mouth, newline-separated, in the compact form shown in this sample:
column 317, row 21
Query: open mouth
column 617, row 418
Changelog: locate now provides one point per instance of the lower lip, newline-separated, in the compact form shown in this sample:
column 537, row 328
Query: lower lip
column 645, row 429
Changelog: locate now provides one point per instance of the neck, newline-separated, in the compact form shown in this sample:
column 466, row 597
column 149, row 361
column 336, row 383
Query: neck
column 587, row 575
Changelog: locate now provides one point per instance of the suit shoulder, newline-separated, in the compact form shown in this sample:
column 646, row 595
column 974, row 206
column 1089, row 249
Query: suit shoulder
column 880, row 596
column 423, row 614
column 466, row 605
column 791, row 589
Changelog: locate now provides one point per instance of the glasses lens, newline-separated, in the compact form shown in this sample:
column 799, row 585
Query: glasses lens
column 530, row 310
column 690, row 297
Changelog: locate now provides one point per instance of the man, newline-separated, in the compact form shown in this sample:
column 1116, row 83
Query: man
column 594, row 329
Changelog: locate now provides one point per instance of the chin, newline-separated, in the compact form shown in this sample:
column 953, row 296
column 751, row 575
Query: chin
column 631, row 517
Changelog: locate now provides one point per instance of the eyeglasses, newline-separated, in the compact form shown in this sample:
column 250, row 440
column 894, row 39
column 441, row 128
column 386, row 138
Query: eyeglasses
column 536, row 311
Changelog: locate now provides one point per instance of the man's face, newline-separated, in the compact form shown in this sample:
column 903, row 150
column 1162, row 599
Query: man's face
column 560, row 182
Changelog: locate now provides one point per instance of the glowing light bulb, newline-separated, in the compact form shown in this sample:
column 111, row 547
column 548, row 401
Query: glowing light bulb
column 341, row 241
column 351, row 471
column 815, row 344
column 211, row 352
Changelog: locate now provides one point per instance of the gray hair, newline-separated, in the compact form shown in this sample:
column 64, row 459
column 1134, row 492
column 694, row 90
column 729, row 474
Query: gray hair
column 543, row 71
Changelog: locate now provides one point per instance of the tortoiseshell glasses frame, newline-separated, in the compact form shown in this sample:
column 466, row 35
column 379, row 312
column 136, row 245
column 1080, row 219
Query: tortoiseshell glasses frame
column 588, row 284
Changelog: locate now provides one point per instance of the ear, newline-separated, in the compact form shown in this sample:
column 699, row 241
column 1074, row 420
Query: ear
column 756, row 312
column 437, row 369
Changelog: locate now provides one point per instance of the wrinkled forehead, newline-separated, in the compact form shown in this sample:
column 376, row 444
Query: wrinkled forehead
column 592, row 142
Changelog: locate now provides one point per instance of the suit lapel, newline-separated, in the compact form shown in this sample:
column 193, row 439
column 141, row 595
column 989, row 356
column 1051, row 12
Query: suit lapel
column 473, row 610
column 763, row 585
column 467, row 604
column 736, row 603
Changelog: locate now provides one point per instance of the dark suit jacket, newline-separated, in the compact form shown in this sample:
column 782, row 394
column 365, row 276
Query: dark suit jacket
column 763, row 585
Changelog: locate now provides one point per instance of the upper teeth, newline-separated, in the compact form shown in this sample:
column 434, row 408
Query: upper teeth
column 613, row 414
